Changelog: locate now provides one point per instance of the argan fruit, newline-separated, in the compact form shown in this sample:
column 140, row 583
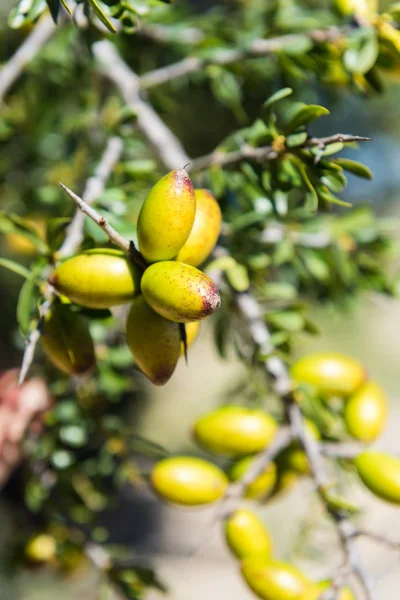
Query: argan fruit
column 262, row 486
column 293, row 457
column 18, row 243
column 98, row 278
column 380, row 473
column 180, row 292
column 154, row 341
column 205, row 231
column 188, row 481
column 275, row 580
column 344, row 593
column 41, row 548
column 192, row 331
column 67, row 341
column 365, row 413
column 331, row 373
column 166, row 217
column 235, row 430
column 247, row 536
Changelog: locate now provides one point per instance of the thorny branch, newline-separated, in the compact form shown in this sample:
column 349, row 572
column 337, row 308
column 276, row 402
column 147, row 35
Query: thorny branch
column 93, row 190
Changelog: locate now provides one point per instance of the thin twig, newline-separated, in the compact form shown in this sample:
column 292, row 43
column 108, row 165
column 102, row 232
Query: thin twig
column 166, row 144
column 94, row 188
column 13, row 68
column 256, row 48
column 265, row 153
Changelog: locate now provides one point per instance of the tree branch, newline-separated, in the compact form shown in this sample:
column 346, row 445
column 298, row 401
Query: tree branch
column 256, row 48
column 166, row 144
column 12, row 69
column 265, row 153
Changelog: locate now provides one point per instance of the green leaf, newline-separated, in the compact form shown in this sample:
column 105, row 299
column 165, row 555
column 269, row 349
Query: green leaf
column 15, row 267
column 334, row 180
column 12, row 223
column 309, row 185
column 238, row 278
column 279, row 95
column 26, row 11
column 325, row 195
column 26, row 301
column 394, row 11
column 296, row 139
column 54, row 8
column 300, row 44
column 354, row 167
column 67, row 8
column 363, row 51
column 289, row 320
column 306, row 114
column 100, row 14
column 316, row 265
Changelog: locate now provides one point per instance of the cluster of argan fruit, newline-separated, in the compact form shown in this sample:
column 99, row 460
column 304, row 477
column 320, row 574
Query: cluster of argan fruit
column 177, row 229
column 238, row 433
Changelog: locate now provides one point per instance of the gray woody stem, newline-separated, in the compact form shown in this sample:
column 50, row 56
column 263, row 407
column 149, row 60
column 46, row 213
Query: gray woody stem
column 94, row 188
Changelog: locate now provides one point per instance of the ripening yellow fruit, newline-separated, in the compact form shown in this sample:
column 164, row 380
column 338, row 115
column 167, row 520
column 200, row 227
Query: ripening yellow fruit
column 205, row 231
column 247, row 535
column 365, row 413
column 235, row 430
column 98, row 278
column 188, row 481
column 41, row 548
column 262, row 486
column 380, row 473
column 314, row 594
column 154, row 341
column 331, row 373
column 19, row 244
column 192, row 331
column 360, row 8
column 67, row 341
column 275, row 580
column 180, row 292
column 166, row 217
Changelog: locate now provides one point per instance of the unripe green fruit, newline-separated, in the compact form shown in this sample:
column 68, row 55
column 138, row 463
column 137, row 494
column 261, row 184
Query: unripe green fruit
column 154, row 341
column 365, row 413
column 180, row 292
column 247, row 536
column 41, row 548
column 188, row 481
column 262, row 486
column 192, row 331
column 275, row 580
column 67, row 341
column 98, row 278
column 331, row 373
column 235, row 430
column 166, row 217
column 380, row 473
column 205, row 231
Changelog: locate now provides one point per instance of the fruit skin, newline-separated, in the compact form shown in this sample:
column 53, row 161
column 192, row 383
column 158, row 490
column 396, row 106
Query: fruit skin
column 293, row 457
column 380, row 473
column 41, row 548
column 98, row 278
column 247, row 536
column 188, row 481
column 275, row 580
column 331, row 373
column 67, row 341
column 262, row 486
column 314, row 594
column 205, row 231
column 180, row 292
column 192, row 331
column 166, row 217
column 235, row 430
column 365, row 413
column 153, row 341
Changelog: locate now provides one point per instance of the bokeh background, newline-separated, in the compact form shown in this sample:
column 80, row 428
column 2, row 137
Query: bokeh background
column 370, row 331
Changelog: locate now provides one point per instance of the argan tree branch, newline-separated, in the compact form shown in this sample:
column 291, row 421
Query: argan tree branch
column 12, row 69
column 256, row 48
column 93, row 190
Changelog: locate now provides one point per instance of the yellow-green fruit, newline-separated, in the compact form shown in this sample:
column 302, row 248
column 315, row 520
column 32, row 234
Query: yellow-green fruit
column 275, row 580
column 154, row 341
column 192, row 331
column 41, row 548
column 67, row 341
column 285, row 480
column 247, row 536
column 262, row 486
column 380, row 473
column 99, row 278
column 315, row 594
column 205, row 231
column 365, row 413
column 293, row 458
column 235, row 430
column 166, row 217
column 180, row 292
column 188, row 481
column 331, row 373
